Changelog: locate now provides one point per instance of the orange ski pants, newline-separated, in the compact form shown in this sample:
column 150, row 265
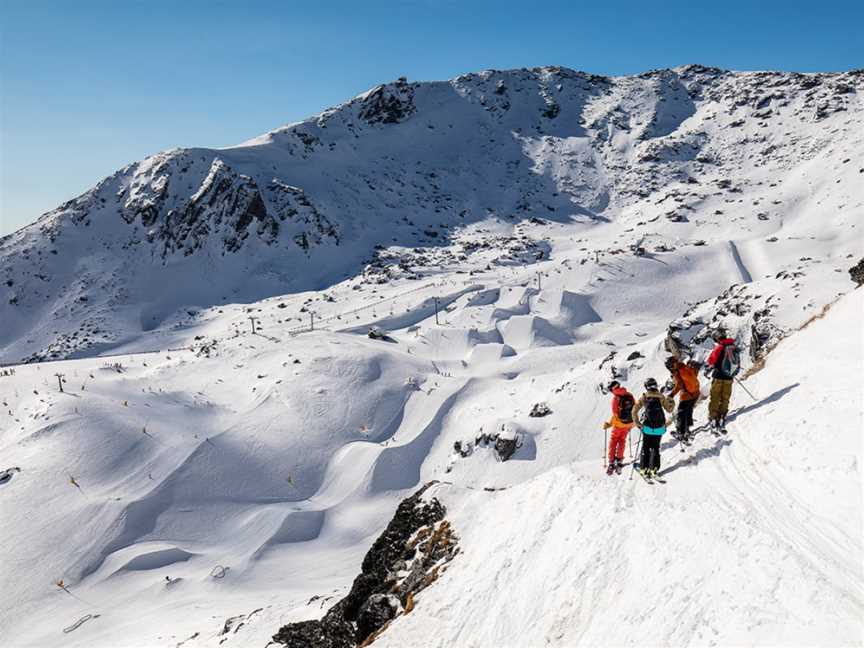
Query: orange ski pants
column 617, row 443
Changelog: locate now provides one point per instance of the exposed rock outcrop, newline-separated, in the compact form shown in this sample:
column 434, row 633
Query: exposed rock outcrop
column 408, row 556
column 856, row 272
column 540, row 410
column 388, row 104
column 263, row 217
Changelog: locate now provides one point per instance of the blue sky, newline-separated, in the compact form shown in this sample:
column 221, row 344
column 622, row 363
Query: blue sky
column 88, row 86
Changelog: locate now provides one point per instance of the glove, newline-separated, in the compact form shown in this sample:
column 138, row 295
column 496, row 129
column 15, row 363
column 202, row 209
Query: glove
column 607, row 425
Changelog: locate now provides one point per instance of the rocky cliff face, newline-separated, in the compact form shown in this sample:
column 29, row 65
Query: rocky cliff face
column 413, row 550
column 406, row 166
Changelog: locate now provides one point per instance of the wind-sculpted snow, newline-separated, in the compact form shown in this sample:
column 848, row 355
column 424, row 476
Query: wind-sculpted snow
column 770, row 515
column 403, row 166
column 514, row 240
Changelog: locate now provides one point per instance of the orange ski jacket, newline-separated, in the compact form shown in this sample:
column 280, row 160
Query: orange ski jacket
column 615, row 422
column 686, row 382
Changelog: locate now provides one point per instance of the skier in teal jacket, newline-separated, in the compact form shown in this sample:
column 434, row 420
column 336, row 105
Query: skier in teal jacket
column 653, row 426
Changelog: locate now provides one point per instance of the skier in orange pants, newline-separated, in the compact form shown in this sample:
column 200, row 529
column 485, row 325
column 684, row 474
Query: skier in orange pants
column 621, row 423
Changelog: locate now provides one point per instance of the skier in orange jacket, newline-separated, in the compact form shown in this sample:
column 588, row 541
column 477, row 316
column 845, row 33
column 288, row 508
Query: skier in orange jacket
column 621, row 423
column 687, row 384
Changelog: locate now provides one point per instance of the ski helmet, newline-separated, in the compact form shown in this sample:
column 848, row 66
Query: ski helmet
column 650, row 384
column 612, row 385
column 719, row 334
column 671, row 362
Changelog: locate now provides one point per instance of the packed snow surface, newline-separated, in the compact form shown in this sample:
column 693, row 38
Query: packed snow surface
column 514, row 238
column 756, row 539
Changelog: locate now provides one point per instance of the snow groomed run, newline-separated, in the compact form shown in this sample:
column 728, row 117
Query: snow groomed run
column 468, row 275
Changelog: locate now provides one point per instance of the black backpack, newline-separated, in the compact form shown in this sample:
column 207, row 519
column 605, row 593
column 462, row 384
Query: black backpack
column 625, row 408
column 654, row 416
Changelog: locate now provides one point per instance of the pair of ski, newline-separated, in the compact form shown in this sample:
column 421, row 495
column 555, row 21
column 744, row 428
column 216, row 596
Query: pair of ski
column 649, row 479
column 656, row 479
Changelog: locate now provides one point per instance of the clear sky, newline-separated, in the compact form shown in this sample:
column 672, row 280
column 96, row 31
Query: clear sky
column 87, row 86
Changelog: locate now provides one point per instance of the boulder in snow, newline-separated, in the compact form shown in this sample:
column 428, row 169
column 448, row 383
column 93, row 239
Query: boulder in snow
column 539, row 410
column 856, row 272
column 505, row 440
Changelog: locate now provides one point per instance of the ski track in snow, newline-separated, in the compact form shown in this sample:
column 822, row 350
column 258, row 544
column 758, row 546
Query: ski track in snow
column 740, row 547
column 736, row 256
column 240, row 475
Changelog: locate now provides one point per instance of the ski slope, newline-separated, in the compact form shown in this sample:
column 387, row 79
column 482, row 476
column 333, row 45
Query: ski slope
column 412, row 180
column 205, row 484
column 755, row 539
column 284, row 472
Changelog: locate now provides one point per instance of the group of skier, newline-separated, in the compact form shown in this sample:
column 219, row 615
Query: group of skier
column 722, row 365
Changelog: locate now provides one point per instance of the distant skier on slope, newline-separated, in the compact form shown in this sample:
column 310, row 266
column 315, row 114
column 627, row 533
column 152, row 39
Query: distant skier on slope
column 687, row 384
column 724, row 363
column 653, row 426
column 621, row 423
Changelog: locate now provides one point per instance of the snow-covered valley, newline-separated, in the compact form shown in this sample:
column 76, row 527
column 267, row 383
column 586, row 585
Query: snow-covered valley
column 518, row 237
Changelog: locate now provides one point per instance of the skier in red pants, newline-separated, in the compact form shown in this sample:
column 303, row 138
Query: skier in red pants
column 621, row 423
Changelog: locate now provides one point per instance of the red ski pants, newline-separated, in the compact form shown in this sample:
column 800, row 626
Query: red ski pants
column 617, row 443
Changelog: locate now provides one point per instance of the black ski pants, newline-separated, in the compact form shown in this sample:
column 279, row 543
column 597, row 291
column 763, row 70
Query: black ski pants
column 650, row 451
column 684, row 417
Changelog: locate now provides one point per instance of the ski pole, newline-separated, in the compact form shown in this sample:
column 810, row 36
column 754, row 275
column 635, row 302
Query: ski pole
column 633, row 463
column 605, row 443
column 746, row 390
column 630, row 438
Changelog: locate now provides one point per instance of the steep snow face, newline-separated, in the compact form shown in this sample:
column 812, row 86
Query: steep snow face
column 755, row 538
column 211, row 483
column 416, row 164
column 238, row 485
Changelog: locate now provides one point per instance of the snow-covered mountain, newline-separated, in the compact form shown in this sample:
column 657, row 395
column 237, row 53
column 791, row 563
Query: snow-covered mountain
column 518, row 238
column 424, row 164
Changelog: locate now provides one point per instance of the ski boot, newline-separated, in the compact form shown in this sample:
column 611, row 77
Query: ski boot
column 680, row 438
column 722, row 424
column 610, row 469
column 655, row 476
column 618, row 466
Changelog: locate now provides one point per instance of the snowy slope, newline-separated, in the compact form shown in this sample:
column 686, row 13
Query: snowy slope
column 254, row 470
column 671, row 154
column 756, row 539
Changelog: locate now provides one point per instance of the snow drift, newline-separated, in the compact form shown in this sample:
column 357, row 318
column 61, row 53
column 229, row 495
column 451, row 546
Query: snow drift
column 520, row 237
